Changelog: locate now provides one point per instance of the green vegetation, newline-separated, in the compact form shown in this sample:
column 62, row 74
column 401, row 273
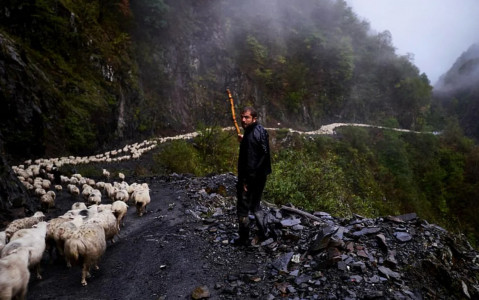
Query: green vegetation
column 77, row 62
column 113, row 69
column 371, row 172
column 212, row 151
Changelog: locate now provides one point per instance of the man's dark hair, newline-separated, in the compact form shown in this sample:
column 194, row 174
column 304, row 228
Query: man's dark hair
column 251, row 110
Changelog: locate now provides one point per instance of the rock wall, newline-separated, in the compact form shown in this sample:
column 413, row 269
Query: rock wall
column 14, row 199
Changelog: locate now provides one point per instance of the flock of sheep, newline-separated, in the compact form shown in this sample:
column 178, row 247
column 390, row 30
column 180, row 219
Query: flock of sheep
column 81, row 234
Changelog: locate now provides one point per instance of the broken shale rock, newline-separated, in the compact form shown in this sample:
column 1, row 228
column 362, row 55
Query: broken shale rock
column 395, row 257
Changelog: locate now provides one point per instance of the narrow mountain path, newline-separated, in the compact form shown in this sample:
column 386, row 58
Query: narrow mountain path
column 157, row 256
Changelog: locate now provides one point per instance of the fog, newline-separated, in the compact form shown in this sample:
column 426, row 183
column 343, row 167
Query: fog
column 436, row 32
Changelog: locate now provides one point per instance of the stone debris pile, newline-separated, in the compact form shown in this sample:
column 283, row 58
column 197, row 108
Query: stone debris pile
column 318, row 256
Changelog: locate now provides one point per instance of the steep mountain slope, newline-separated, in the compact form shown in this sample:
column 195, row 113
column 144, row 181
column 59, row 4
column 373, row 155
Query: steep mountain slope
column 456, row 94
column 91, row 74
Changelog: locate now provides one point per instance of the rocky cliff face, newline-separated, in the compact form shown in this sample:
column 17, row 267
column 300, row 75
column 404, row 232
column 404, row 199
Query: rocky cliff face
column 14, row 200
column 21, row 124
column 21, row 101
column 191, row 62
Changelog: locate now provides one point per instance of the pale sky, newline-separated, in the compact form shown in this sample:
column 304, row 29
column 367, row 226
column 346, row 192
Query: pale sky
column 436, row 32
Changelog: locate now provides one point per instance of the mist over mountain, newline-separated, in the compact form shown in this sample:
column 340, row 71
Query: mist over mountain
column 464, row 74
column 456, row 95
column 78, row 76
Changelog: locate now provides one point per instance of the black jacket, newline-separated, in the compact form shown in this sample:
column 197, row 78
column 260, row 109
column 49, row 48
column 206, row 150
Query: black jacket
column 254, row 156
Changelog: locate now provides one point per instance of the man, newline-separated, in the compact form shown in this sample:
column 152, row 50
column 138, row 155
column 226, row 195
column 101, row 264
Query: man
column 254, row 164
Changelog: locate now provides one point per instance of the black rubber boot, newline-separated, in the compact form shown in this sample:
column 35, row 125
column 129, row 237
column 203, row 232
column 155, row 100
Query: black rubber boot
column 259, row 217
column 243, row 232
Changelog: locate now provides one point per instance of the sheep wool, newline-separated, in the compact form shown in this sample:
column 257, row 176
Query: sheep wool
column 78, row 205
column 106, row 173
column 14, row 274
column 73, row 189
column 107, row 220
column 2, row 240
column 86, row 191
column 65, row 230
column 119, row 209
column 22, row 223
column 47, row 201
column 122, row 195
column 142, row 199
column 52, row 226
column 86, row 245
column 32, row 238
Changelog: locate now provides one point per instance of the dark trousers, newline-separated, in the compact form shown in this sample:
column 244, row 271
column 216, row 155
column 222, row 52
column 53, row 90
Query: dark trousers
column 249, row 201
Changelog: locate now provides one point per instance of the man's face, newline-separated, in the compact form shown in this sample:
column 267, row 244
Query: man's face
column 247, row 119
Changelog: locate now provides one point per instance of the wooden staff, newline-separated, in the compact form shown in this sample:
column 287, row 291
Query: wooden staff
column 233, row 111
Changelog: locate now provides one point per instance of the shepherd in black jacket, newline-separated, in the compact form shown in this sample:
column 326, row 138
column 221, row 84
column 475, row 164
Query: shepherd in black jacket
column 254, row 164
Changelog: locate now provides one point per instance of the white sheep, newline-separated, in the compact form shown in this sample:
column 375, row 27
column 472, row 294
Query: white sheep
column 122, row 195
column 86, row 191
column 58, row 187
column 86, row 245
column 64, row 179
column 119, row 209
column 78, row 205
column 28, row 185
column 106, row 219
column 121, row 176
column 94, row 197
column 100, row 185
column 2, row 240
column 77, row 176
column 73, row 189
column 74, row 180
column 103, row 207
column 39, row 191
column 14, row 274
column 65, row 230
column 33, row 238
column 52, row 226
column 110, row 191
column 22, row 223
column 106, row 174
column 141, row 198
column 47, row 201
column 46, row 184
column 132, row 187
